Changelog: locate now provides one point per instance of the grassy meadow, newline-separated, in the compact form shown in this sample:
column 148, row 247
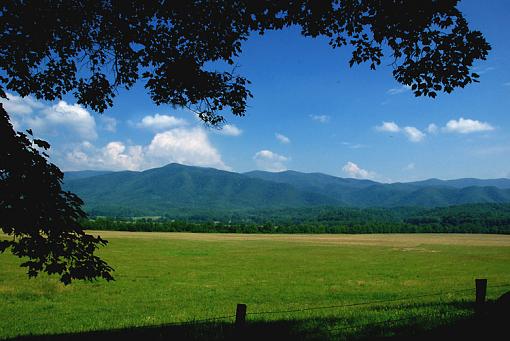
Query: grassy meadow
column 164, row 278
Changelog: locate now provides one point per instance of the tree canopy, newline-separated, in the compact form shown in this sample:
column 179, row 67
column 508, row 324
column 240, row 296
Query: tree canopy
column 91, row 49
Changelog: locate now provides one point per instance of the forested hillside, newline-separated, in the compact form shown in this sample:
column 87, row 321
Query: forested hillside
column 174, row 189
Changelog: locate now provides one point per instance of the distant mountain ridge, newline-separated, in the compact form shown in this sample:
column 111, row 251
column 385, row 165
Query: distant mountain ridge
column 178, row 187
column 289, row 175
column 83, row 174
column 366, row 193
column 501, row 183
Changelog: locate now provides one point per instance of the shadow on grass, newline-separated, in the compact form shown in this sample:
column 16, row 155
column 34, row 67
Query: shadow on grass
column 485, row 326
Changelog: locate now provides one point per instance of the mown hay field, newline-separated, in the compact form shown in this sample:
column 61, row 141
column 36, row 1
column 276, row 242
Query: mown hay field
column 164, row 278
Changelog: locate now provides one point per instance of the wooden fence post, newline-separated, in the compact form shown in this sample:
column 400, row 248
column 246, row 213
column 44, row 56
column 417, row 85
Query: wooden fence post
column 481, row 293
column 240, row 315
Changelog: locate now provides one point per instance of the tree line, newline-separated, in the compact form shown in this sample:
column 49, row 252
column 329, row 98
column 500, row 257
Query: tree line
column 471, row 218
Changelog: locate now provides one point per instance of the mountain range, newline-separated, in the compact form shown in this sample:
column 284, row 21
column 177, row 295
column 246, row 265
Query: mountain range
column 175, row 187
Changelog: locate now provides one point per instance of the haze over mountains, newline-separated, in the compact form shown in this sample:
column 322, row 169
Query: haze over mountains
column 178, row 187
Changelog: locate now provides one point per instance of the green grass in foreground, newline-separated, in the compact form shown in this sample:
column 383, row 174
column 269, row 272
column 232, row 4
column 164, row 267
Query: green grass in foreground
column 171, row 277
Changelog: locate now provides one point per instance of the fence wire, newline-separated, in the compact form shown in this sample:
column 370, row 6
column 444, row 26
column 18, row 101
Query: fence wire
column 356, row 304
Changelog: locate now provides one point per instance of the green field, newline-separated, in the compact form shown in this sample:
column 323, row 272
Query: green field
column 171, row 277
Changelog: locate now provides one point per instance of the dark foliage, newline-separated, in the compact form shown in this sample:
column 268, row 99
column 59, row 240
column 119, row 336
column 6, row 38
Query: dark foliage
column 43, row 220
column 92, row 48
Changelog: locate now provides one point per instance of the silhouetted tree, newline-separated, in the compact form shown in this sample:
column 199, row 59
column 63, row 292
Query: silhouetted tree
column 49, row 48
column 43, row 219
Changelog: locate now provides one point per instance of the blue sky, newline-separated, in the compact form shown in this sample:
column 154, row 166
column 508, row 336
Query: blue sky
column 310, row 112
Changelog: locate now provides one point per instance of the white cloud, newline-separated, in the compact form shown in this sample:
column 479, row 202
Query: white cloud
column 358, row 146
column 432, row 129
column 109, row 123
column 466, row 126
column 87, row 144
column 410, row 167
column 270, row 161
column 70, row 120
column 320, row 118
column 190, row 146
column 16, row 105
column 122, row 157
column 390, row 127
column 414, row 134
column 282, row 138
column 230, row 130
column 161, row 122
column 186, row 146
column 462, row 126
column 396, row 91
column 114, row 156
column 354, row 171
column 354, row 145
column 77, row 127
column 484, row 70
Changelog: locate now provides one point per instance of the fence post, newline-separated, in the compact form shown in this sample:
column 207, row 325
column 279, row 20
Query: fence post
column 481, row 293
column 240, row 315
